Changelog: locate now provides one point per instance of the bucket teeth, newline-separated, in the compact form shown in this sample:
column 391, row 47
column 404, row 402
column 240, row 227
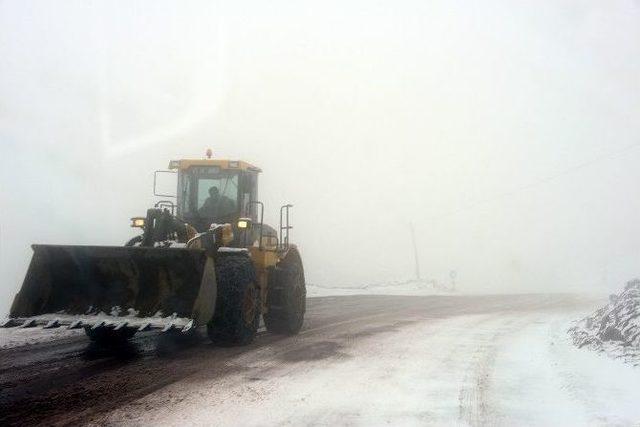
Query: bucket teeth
column 188, row 326
column 9, row 323
column 99, row 325
column 166, row 324
column 52, row 324
column 121, row 325
column 77, row 324
column 29, row 323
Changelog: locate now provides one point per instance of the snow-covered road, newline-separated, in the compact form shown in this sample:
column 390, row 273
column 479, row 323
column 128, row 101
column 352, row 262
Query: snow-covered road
column 503, row 360
column 506, row 368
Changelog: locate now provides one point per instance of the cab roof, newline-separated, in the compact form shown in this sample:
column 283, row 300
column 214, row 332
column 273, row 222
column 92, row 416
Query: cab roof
column 183, row 164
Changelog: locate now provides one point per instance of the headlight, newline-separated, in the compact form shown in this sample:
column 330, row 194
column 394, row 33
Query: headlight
column 138, row 222
column 244, row 223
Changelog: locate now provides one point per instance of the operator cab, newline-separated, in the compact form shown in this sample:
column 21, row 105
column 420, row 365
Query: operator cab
column 215, row 191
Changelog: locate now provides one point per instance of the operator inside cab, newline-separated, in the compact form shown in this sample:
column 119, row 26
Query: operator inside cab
column 216, row 205
column 211, row 194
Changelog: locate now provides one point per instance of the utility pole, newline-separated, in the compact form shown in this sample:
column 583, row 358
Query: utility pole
column 415, row 250
column 452, row 275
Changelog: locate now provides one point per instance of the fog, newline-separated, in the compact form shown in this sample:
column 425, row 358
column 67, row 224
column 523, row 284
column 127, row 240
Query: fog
column 507, row 134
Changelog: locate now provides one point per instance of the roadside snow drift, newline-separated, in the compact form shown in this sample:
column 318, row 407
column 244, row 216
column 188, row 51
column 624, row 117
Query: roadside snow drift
column 405, row 287
column 615, row 328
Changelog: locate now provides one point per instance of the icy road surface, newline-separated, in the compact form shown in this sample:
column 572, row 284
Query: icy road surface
column 360, row 360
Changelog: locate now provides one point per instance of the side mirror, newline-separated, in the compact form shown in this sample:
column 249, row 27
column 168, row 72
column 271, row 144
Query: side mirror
column 162, row 183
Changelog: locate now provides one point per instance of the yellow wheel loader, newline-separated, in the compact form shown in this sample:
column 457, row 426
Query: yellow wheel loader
column 204, row 258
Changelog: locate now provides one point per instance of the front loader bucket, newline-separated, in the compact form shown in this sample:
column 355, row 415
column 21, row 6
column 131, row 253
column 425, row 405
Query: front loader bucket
column 112, row 286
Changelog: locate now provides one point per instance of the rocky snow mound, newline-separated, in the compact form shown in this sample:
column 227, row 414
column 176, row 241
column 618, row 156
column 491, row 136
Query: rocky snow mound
column 615, row 328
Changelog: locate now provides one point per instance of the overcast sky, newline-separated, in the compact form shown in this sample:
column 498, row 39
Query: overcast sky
column 506, row 132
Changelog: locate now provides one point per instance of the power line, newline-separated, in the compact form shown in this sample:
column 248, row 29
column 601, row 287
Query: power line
column 543, row 181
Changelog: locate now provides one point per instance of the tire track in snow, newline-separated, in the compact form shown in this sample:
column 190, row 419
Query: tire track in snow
column 474, row 407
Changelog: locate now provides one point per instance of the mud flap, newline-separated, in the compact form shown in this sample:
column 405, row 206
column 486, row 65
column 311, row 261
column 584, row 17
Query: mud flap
column 125, row 284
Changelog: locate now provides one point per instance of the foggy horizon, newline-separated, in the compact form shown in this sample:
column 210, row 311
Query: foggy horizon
column 507, row 135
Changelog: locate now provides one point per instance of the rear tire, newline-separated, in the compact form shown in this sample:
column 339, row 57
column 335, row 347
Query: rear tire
column 287, row 297
column 237, row 314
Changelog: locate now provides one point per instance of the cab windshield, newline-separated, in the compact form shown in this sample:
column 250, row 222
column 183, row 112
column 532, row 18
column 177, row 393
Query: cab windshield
column 210, row 193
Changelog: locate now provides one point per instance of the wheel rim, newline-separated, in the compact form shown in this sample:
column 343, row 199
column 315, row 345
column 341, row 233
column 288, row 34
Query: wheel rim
column 249, row 306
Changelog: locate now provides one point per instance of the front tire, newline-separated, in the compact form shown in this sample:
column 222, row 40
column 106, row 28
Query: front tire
column 237, row 314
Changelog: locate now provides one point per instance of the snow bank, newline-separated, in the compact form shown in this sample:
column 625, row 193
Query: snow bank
column 615, row 328
column 406, row 287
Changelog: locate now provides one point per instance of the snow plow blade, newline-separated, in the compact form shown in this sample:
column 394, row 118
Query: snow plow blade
column 116, row 287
